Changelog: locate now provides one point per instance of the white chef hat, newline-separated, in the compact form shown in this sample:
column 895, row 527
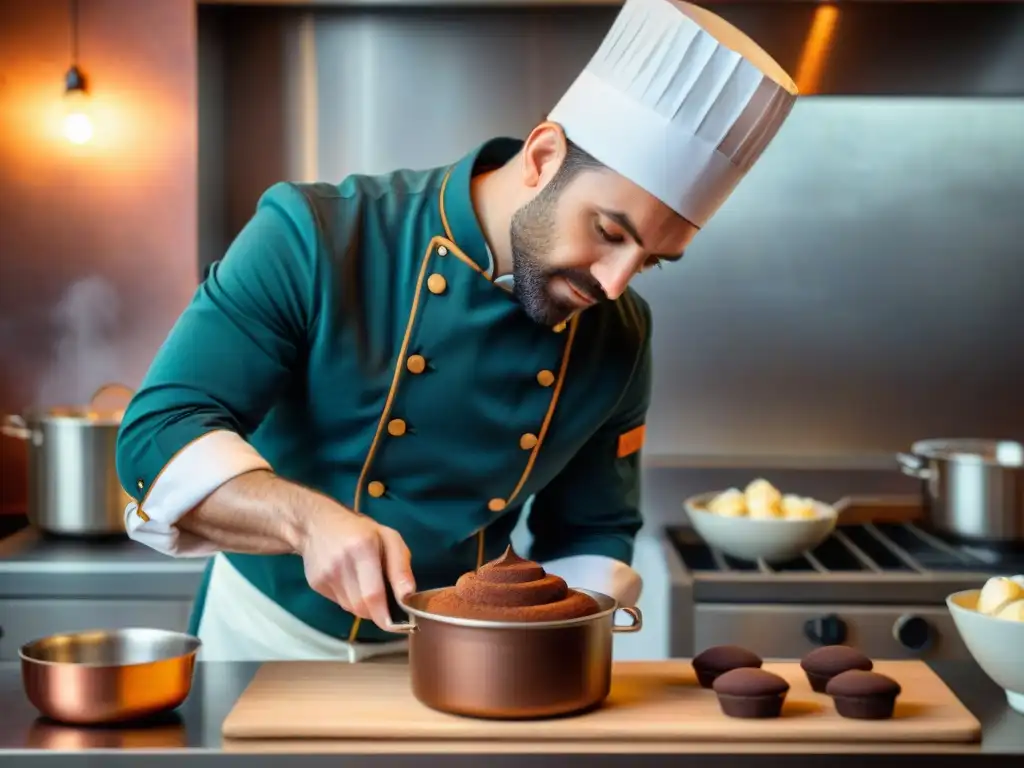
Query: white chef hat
column 679, row 101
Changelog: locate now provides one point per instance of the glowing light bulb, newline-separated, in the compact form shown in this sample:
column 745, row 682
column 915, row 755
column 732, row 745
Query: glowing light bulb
column 78, row 128
column 78, row 125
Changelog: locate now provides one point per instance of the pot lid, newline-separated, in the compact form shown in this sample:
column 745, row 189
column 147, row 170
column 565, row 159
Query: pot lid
column 1003, row 453
column 82, row 414
column 93, row 413
column 86, row 414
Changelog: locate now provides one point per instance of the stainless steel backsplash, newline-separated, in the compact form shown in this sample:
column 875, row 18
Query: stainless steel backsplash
column 864, row 286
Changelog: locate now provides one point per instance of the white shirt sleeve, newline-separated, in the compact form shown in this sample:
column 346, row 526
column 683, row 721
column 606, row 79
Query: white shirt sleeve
column 600, row 574
column 191, row 475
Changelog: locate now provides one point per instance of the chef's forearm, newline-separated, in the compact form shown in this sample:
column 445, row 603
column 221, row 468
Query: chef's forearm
column 255, row 513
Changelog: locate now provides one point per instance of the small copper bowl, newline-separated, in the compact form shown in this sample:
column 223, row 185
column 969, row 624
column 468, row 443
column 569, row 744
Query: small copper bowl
column 512, row 670
column 108, row 676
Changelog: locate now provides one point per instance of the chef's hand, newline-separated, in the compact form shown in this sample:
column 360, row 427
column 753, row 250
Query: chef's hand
column 347, row 557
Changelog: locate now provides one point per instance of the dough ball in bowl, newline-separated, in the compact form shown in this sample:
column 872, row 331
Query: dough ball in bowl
column 763, row 499
column 760, row 522
column 731, row 503
column 998, row 594
column 798, row 508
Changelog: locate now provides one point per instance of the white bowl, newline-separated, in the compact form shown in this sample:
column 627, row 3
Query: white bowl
column 995, row 644
column 770, row 539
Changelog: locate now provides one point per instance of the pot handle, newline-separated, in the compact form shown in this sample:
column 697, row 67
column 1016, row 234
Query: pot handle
column 633, row 612
column 638, row 620
column 913, row 465
column 111, row 385
column 15, row 426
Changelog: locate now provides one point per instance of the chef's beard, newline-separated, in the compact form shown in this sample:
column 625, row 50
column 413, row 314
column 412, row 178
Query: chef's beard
column 532, row 235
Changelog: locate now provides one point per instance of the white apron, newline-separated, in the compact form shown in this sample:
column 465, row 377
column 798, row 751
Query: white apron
column 240, row 623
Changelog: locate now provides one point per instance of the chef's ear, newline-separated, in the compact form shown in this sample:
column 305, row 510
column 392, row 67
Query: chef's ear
column 543, row 153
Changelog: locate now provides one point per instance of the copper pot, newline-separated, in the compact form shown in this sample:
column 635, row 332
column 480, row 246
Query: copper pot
column 108, row 676
column 512, row 670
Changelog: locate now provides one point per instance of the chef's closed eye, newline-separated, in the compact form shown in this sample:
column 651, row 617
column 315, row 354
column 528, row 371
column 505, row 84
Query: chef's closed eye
column 608, row 231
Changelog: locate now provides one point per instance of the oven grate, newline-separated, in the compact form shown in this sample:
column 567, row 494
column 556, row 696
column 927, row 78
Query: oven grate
column 882, row 548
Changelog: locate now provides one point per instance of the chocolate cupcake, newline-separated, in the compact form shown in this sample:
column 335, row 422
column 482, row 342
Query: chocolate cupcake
column 862, row 695
column 510, row 588
column 822, row 664
column 749, row 692
column 720, row 659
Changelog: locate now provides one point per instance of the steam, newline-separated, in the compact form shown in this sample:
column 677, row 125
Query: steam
column 85, row 324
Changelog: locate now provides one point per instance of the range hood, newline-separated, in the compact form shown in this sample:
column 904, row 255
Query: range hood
column 845, row 48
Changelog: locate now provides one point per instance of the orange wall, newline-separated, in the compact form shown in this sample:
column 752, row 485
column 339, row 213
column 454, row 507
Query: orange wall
column 98, row 245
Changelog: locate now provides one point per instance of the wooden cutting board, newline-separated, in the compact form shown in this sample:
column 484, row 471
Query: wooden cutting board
column 649, row 701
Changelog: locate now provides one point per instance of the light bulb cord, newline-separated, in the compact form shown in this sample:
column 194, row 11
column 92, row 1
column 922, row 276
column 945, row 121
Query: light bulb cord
column 73, row 13
column 74, row 80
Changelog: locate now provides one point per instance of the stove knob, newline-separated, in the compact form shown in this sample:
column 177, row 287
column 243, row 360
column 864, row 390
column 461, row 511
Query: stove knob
column 912, row 632
column 825, row 630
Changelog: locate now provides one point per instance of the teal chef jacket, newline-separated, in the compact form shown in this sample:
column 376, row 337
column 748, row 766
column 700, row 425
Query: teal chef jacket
column 353, row 335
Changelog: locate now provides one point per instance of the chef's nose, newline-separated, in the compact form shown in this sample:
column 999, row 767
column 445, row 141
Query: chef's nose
column 613, row 275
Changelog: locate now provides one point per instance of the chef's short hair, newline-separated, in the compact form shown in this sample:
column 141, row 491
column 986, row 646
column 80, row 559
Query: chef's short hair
column 576, row 161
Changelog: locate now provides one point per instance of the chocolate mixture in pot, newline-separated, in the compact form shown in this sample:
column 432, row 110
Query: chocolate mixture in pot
column 512, row 589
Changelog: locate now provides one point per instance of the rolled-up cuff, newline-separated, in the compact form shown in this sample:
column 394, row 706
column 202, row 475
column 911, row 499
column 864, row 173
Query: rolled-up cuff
column 194, row 473
column 600, row 574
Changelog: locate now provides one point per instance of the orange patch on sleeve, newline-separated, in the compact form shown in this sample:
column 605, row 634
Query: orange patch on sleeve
column 632, row 441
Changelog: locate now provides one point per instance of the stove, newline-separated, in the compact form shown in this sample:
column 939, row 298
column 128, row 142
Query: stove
column 880, row 586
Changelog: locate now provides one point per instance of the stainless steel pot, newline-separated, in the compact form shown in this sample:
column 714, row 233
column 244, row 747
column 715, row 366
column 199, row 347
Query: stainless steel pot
column 73, row 486
column 512, row 670
column 972, row 488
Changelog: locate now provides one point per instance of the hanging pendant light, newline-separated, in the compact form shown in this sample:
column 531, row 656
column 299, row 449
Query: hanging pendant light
column 78, row 128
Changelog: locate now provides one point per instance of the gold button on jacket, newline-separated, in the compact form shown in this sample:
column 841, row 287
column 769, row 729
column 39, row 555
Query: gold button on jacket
column 527, row 442
column 436, row 283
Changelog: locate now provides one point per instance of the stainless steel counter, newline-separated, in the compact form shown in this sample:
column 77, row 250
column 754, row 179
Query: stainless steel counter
column 37, row 566
column 192, row 737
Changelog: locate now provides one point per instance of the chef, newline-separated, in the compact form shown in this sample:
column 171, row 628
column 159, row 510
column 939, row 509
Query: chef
column 380, row 376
